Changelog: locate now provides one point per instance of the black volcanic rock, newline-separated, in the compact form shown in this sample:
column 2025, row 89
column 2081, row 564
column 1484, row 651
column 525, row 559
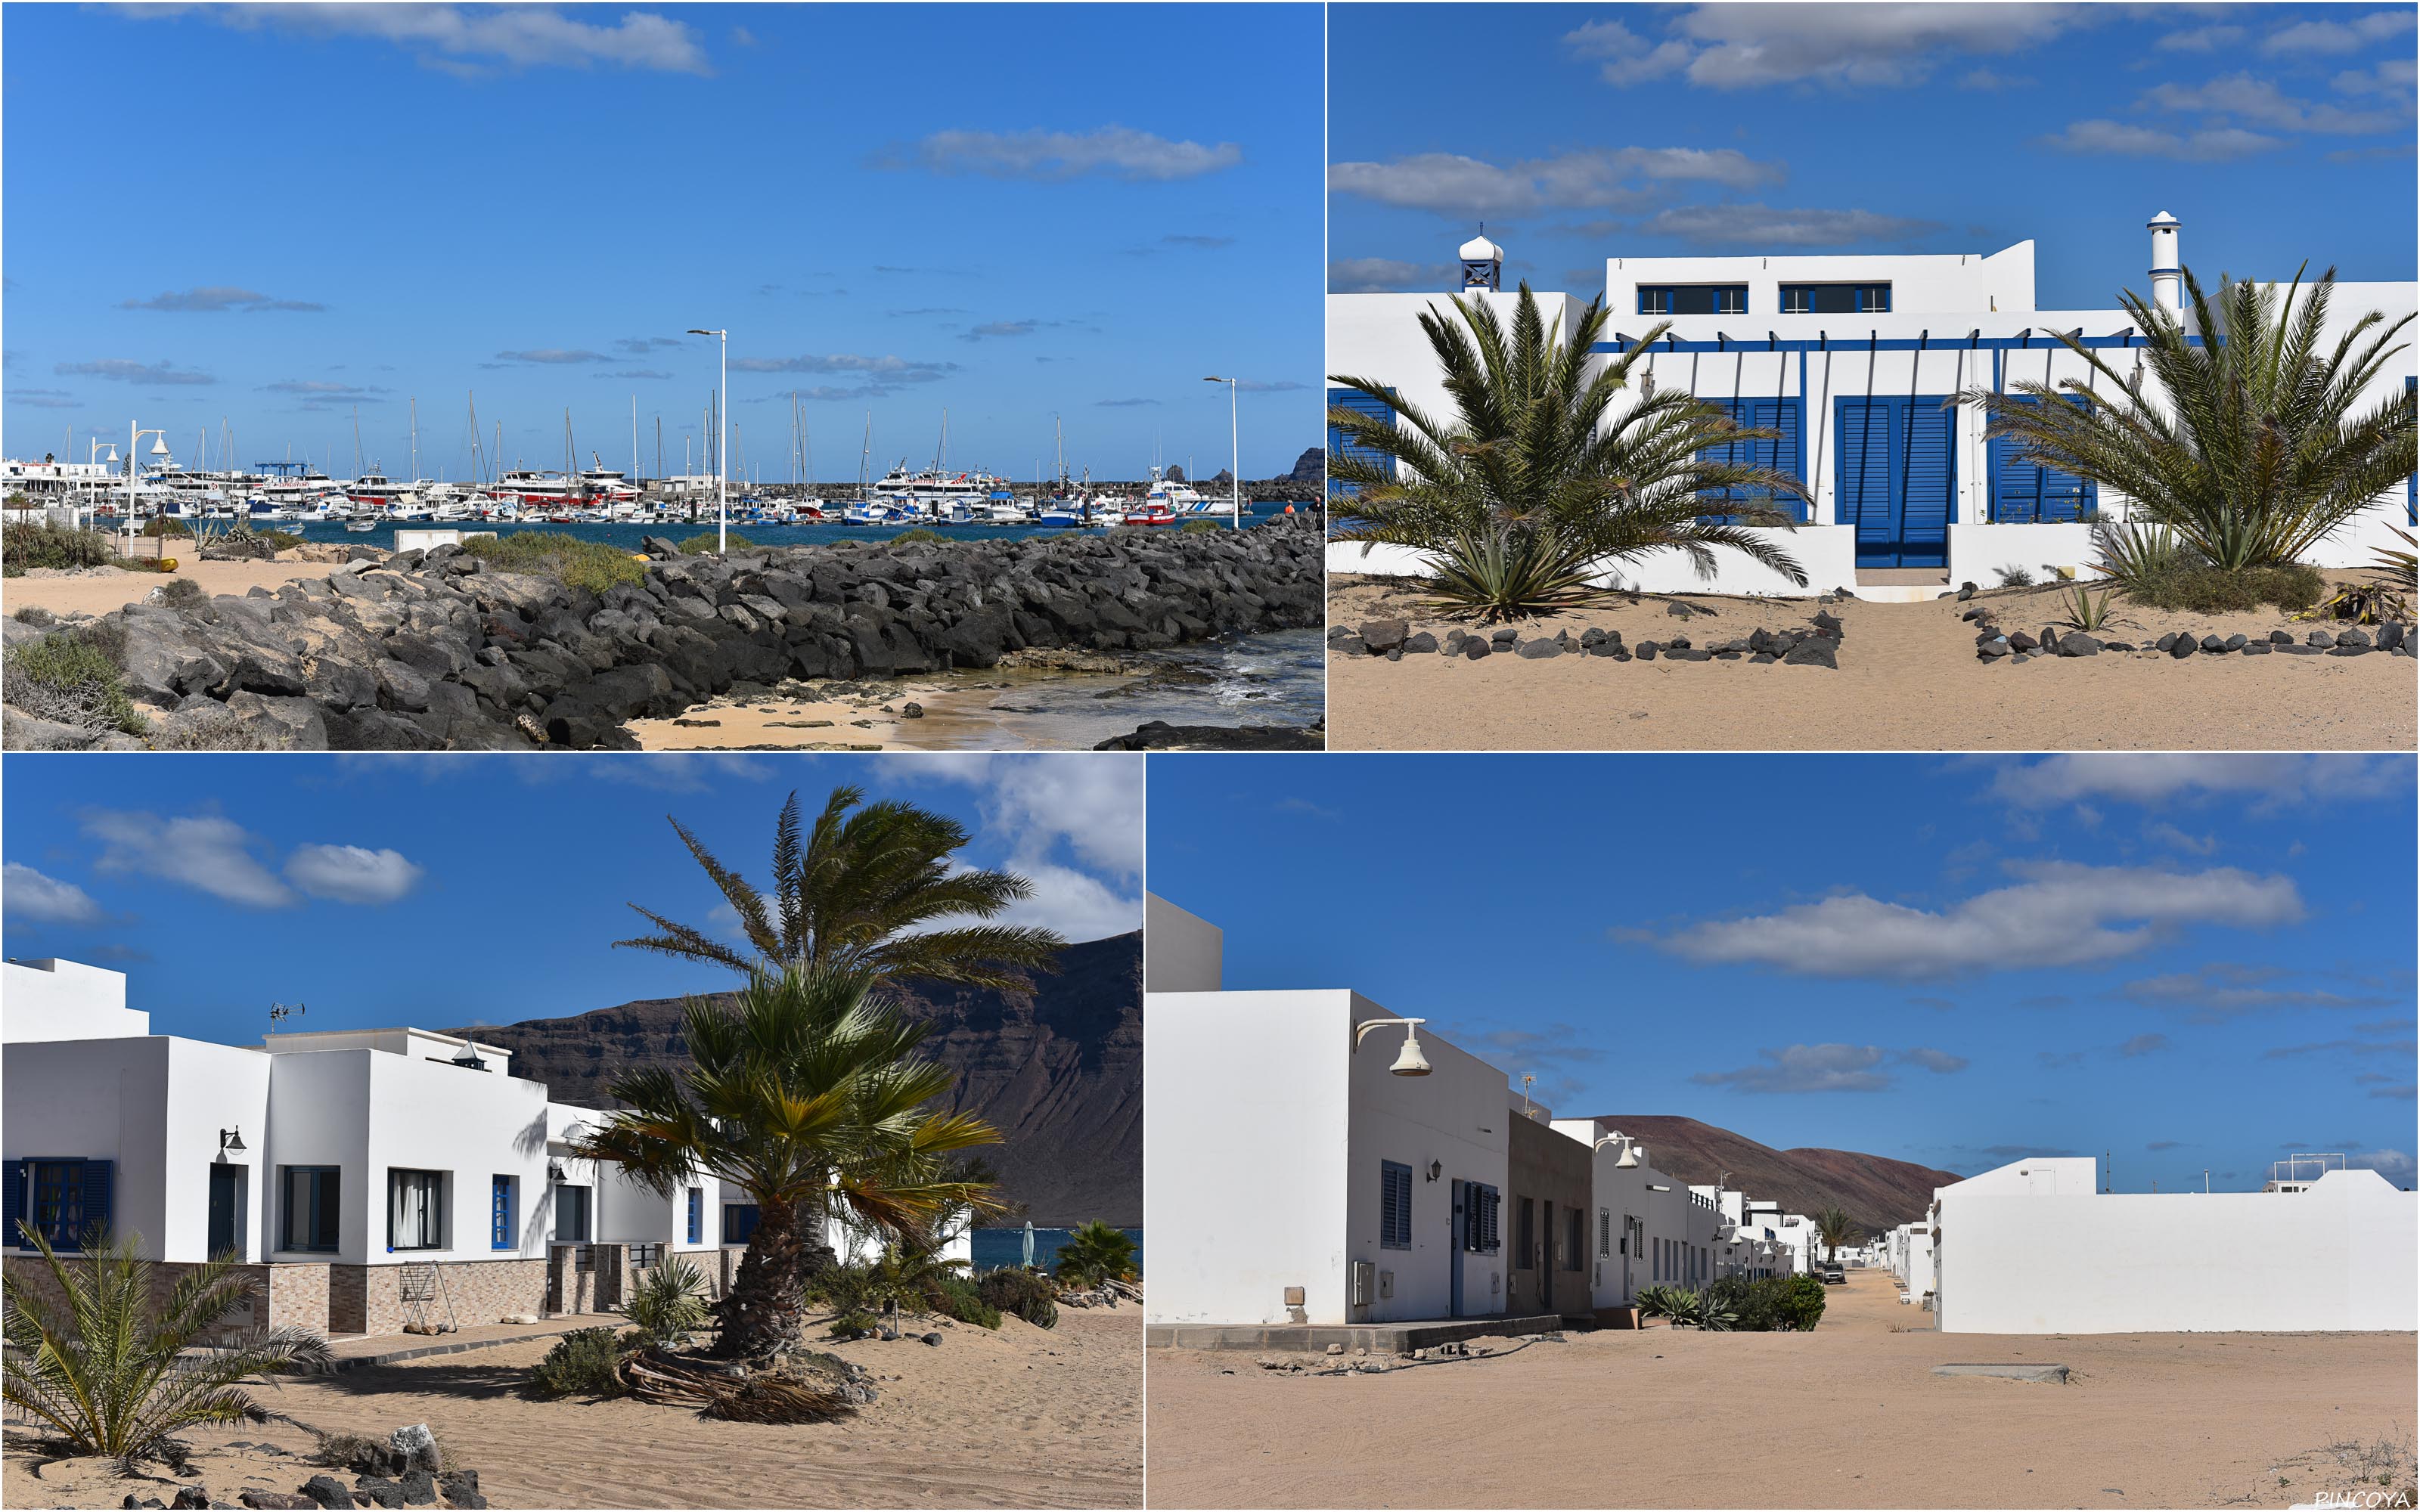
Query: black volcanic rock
column 1310, row 467
column 1058, row 1071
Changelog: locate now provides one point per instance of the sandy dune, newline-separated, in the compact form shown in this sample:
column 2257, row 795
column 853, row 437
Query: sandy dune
column 1024, row 1417
column 1908, row 680
column 1849, row 1415
column 100, row 590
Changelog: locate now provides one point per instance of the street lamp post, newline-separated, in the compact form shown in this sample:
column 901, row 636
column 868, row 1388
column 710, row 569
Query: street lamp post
column 722, row 457
column 159, row 448
column 1235, row 458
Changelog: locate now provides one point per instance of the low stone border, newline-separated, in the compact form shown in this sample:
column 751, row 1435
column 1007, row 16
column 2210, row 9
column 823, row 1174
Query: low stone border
column 1818, row 644
column 1993, row 645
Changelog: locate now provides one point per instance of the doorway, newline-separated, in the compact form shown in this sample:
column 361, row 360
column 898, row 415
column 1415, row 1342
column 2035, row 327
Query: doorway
column 226, row 1212
column 1453, row 1249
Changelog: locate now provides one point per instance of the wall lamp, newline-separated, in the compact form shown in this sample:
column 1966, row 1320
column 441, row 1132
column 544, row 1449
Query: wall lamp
column 231, row 1140
column 1436, row 1168
column 1410, row 1062
column 1629, row 1160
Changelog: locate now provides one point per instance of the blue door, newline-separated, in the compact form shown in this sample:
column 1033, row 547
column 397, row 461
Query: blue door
column 1895, row 473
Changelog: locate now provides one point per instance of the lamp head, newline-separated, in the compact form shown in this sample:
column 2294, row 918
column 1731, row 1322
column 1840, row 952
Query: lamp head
column 1410, row 1062
column 159, row 446
column 1629, row 1160
column 231, row 1139
column 1214, row 378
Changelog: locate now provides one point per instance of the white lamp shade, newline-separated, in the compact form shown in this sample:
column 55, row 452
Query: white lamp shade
column 1410, row 1062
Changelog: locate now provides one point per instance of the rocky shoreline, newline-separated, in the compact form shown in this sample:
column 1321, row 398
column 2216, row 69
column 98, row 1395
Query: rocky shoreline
column 438, row 650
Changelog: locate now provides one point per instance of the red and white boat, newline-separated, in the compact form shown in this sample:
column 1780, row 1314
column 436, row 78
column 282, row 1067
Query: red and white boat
column 534, row 490
column 1154, row 512
column 377, row 491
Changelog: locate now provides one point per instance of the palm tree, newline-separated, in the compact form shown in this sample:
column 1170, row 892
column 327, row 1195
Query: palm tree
column 1093, row 1254
column 1834, row 1227
column 2255, row 453
column 806, row 1094
column 1529, row 492
column 848, row 897
column 109, row 1374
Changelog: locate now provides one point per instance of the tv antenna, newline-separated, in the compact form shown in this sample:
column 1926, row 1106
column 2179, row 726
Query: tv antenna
column 281, row 1010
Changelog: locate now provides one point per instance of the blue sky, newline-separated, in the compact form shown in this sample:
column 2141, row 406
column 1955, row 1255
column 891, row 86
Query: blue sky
column 442, row 892
column 2188, row 962
column 2276, row 134
column 1011, row 212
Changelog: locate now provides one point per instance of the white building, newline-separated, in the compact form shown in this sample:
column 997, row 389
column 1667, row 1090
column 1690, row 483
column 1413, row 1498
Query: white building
column 347, row 1170
column 1855, row 361
column 2032, row 1248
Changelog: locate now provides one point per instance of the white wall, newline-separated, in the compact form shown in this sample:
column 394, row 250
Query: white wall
column 2340, row 1256
column 1922, row 281
column 53, row 1000
column 1181, row 951
column 1826, row 553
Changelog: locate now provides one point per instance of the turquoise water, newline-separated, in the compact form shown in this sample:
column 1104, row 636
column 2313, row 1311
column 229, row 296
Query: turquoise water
column 996, row 1247
column 630, row 535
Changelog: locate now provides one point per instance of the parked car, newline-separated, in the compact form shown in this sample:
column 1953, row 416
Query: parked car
column 1834, row 1276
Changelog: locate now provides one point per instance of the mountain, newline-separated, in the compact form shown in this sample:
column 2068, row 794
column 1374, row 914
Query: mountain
column 1310, row 467
column 1058, row 1071
column 1879, row 1193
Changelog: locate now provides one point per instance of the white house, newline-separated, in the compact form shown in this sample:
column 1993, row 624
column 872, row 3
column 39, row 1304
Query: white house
column 1855, row 361
column 2032, row 1248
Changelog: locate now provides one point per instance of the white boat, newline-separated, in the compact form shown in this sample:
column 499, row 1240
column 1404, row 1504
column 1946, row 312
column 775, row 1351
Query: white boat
column 532, row 488
column 1178, row 496
column 376, row 490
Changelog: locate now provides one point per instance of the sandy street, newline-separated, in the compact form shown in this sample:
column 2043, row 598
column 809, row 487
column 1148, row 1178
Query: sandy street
column 1023, row 1417
column 1908, row 680
column 99, row 590
column 1849, row 1415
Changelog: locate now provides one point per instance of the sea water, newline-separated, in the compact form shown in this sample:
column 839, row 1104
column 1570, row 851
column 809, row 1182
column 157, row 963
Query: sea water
column 996, row 1247
column 630, row 535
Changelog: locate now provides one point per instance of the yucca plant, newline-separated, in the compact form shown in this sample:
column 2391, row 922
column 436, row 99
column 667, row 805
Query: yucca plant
column 668, row 1305
column 1533, row 478
column 2134, row 553
column 2254, row 451
column 2085, row 610
column 1656, row 1301
column 111, row 1376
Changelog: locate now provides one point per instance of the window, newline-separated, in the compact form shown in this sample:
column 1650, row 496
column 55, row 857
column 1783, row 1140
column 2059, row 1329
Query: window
column 1340, row 449
column 1525, row 1251
column 310, row 1208
column 1574, row 1239
column 1693, row 299
column 416, row 1210
column 1836, row 299
column 1482, row 1219
column 1394, row 1205
column 697, row 1215
column 70, row 1200
column 501, row 1206
column 1604, row 1231
column 739, row 1222
column 571, row 1214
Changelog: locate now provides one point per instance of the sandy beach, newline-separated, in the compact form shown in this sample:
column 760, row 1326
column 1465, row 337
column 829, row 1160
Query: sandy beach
column 1908, row 680
column 1849, row 1415
column 99, row 590
column 1023, row 1417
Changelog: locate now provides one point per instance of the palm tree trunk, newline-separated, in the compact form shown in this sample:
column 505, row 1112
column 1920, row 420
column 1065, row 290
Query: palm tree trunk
column 768, row 1298
column 815, row 1239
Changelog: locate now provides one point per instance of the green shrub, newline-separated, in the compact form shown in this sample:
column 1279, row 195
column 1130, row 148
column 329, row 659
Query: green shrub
column 919, row 534
column 705, row 541
column 580, row 1364
column 2015, row 577
column 668, row 1303
column 1199, row 525
column 853, row 1324
column 1775, row 1304
column 182, row 593
column 2214, row 591
column 1096, row 1252
column 36, row 615
column 72, row 677
column 41, row 544
column 166, row 525
column 1800, row 1303
column 1656, row 1301
column 575, row 562
column 212, row 728
column 958, row 1297
column 1026, row 1293
column 843, row 1287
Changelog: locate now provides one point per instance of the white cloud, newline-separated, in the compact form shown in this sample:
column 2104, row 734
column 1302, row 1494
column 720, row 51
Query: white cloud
column 1386, row 275
column 30, row 895
column 352, row 873
column 1091, row 805
column 2258, row 102
column 2200, row 40
column 2224, row 990
column 2117, row 139
column 2151, row 779
column 127, row 370
column 1112, row 151
column 2062, row 914
column 2338, row 37
column 469, row 38
column 677, row 771
column 1761, row 226
column 1617, row 178
column 1827, row 1068
column 1743, row 46
column 2392, row 76
column 2395, row 1165
column 210, row 854
column 1078, row 905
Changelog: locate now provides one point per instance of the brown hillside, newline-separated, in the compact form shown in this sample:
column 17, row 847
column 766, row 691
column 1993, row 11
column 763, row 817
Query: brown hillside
column 1058, row 1071
column 1877, row 1193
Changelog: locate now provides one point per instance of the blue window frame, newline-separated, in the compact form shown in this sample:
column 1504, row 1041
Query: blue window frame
column 696, row 1214
column 739, row 1222
column 308, row 1209
column 501, row 1222
column 1394, row 1205
column 1693, row 299
column 1836, row 299
column 65, row 1200
column 1785, row 454
column 1338, row 448
column 2023, row 492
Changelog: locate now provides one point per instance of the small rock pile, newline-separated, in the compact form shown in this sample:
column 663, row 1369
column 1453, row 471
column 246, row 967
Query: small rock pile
column 2017, row 647
column 402, row 1472
column 1816, row 644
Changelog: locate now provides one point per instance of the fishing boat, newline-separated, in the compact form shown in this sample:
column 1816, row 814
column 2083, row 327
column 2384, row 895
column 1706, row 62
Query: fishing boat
column 361, row 526
column 1150, row 512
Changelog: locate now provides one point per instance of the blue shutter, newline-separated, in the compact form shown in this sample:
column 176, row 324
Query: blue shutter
column 1862, row 475
column 1360, row 403
column 696, row 1213
column 19, row 1173
column 500, row 1214
column 1785, row 454
column 1927, row 483
column 2025, row 493
column 99, row 1189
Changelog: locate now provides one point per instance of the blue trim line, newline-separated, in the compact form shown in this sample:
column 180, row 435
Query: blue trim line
column 1771, row 342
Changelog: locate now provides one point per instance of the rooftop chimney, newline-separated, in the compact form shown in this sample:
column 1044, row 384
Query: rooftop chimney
column 1483, row 264
column 2167, row 271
